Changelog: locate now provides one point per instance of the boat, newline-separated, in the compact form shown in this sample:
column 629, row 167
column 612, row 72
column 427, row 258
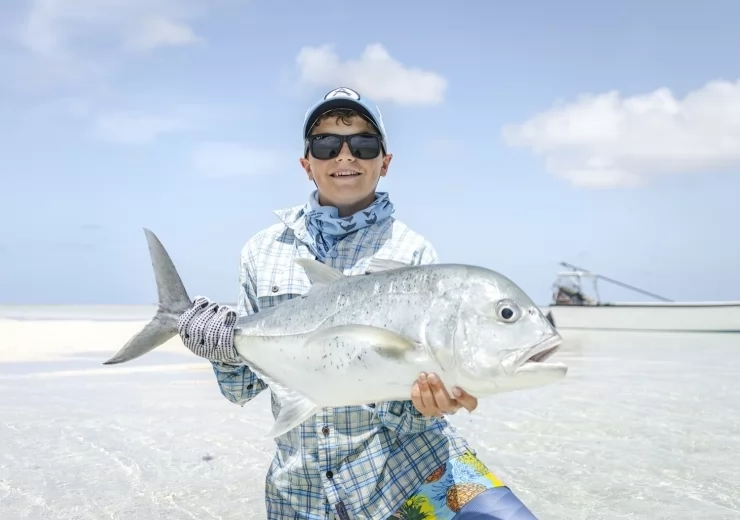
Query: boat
column 572, row 309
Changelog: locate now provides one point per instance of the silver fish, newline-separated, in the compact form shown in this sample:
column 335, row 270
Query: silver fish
column 354, row 340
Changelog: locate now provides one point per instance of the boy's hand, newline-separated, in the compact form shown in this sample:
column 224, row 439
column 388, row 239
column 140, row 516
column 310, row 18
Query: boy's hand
column 207, row 329
column 432, row 400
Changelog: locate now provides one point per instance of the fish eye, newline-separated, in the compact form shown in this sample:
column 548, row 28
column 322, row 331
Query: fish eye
column 508, row 311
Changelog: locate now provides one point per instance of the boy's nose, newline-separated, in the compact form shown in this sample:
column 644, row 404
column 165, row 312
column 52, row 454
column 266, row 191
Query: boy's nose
column 345, row 154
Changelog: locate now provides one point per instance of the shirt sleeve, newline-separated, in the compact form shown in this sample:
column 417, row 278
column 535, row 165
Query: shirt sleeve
column 238, row 383
column 402, row 416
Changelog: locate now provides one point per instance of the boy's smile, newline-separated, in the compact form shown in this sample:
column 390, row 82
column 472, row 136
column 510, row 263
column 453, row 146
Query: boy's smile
column 345, row 173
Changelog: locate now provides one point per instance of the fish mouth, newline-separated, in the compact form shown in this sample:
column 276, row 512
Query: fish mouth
column 542, row 351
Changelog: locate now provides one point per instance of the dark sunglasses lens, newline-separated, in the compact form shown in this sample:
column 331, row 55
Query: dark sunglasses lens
column 364, row 146
column 325, row 146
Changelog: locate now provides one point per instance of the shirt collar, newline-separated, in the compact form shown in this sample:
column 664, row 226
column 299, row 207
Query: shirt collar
column 295, row 219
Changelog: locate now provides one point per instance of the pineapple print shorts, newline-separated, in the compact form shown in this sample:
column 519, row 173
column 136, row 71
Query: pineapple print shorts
column 464, row 486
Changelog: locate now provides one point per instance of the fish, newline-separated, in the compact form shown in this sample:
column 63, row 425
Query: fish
column 355, row 340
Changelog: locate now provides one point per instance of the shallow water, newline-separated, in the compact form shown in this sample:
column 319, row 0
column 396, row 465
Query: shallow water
column 643, row 427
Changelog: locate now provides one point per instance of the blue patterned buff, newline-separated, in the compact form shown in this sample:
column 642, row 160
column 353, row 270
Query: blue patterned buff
column 325, row 226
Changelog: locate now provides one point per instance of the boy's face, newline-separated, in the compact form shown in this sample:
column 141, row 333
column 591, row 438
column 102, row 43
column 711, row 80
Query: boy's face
column 349, row 193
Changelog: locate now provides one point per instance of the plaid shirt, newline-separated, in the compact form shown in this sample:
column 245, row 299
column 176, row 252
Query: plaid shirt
column 359, row 462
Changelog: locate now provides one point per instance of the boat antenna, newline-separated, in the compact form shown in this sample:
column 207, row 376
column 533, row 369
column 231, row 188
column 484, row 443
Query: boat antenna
column 616, row 282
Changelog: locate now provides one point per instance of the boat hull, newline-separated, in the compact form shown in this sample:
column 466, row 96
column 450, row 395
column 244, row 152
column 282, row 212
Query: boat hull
column 657, row 317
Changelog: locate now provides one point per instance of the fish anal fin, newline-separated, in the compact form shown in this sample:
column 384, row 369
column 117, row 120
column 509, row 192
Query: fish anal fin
column 295, row 408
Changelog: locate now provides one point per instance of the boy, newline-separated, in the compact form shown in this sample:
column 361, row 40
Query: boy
column 397, row 459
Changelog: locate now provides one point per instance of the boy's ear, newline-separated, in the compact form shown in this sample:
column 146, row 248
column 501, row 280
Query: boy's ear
column 386, row 164
column 307, row 167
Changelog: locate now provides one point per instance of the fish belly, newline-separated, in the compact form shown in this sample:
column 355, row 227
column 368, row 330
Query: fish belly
column 341, row 366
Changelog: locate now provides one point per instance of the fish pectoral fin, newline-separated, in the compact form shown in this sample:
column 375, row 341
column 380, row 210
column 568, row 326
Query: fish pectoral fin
column 295, row 408
column 378, row 265
column 318, row 272
column 386, row 343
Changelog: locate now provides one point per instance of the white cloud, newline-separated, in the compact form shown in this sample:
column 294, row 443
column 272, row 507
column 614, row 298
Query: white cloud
column 136, row 128
column 376, row 74
column 228, row 159
column 51, row 26
column 71, row 42
column 605, row 140
column 158, row 31
column 61, row 109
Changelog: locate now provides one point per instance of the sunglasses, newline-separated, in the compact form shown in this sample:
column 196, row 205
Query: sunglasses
column 328, row 146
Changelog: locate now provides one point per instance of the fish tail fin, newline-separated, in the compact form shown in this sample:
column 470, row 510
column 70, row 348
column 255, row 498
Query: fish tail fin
column 173, row 302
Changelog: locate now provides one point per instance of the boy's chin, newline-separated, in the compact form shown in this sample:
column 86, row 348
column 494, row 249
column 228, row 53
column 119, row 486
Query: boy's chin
column 346, row 195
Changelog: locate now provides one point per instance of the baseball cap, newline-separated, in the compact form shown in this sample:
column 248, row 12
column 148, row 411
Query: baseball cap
column 344, row 97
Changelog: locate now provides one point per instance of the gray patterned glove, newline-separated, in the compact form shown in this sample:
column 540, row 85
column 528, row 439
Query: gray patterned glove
column 207, row 329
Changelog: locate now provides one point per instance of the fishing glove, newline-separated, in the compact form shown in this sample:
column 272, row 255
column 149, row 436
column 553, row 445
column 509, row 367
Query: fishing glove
column 207, row 329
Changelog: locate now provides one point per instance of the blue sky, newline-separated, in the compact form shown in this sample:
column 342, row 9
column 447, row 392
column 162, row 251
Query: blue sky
column 523, row 134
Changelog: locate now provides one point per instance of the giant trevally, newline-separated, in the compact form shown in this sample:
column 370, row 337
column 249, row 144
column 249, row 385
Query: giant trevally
column 353, row 340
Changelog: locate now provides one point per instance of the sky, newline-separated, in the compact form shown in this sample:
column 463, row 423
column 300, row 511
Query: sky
column 524, row 134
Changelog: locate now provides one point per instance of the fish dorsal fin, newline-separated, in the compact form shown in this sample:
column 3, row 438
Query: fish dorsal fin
column 318, row 273
column 378, row 264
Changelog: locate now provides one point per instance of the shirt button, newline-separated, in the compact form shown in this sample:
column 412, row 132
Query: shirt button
column 329, row 474
column 275, row 288
column 325, row 430
column 249, row 387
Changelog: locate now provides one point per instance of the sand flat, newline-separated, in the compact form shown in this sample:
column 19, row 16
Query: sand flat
column 644, row 427
column 47, row 340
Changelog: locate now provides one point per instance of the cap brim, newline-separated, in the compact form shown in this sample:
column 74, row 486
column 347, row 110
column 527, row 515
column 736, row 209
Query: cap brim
column 333, row 104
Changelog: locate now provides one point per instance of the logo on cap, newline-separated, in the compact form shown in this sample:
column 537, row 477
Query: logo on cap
column 343, row 92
